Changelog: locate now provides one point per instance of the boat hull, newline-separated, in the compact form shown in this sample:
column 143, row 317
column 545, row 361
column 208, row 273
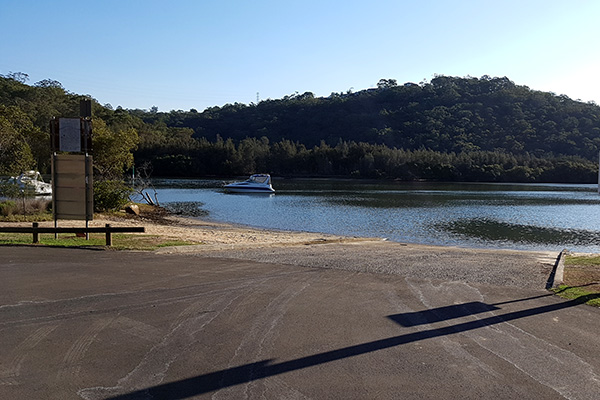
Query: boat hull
column 257, row 183
column 248, row 190
column 32, row 182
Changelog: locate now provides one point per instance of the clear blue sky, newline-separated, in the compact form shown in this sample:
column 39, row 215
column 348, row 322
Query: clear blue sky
column 201, row 53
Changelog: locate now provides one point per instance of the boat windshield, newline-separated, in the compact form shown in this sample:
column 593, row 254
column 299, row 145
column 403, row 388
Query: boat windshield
column 31, row 176
column 259, row 178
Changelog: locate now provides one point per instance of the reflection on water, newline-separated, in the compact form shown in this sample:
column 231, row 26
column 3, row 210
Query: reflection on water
column 473, row 215
column 493, row 231
column 186, row 208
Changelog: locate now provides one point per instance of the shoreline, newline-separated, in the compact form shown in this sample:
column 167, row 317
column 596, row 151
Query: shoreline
column 203, row 234
column 207, row 235
column 500, row 267
column 228, row 236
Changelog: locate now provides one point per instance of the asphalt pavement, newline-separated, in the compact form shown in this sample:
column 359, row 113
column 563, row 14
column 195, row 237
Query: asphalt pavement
column 88, row 324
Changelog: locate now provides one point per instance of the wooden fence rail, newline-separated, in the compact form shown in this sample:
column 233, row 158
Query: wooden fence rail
column 35, row 229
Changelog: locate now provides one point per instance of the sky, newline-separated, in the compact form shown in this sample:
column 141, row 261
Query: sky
column 195, row 54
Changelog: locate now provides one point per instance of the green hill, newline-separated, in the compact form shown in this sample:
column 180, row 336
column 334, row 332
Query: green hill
column 447, row 114
column 478, row 129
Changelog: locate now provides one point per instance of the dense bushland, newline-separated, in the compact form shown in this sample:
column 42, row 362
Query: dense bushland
column 452, row 129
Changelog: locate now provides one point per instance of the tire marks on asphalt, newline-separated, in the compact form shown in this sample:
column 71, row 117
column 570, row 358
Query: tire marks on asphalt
column 551, row 366
column 9, row 375
column 75, row 355
column 137, row 328
column 255, row 344
column 185, row 331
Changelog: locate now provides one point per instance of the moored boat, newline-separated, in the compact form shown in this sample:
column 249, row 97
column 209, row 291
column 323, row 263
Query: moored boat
column 32, row 181
column 257, row 183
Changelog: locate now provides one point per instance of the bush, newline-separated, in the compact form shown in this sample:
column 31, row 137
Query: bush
column 10, row 189
column 8, row 208
column 111, row 195
column 37, row 205
column 25, row 206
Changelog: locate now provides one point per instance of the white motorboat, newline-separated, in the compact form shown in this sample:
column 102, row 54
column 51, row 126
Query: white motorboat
column 32, row 181
column 257, row 183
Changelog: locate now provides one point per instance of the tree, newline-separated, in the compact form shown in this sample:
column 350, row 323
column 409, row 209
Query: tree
column 17, row 137
column 17, row 76
column 49, row 83
column 37, row 140
column 112, row 150
column 112, row 153
column 15, row 153
column 387, row 83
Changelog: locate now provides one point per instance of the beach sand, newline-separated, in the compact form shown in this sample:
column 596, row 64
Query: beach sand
column 529, row 269
column 206, row 235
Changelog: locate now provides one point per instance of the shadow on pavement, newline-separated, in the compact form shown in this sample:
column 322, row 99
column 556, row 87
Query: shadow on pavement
column 262, row 369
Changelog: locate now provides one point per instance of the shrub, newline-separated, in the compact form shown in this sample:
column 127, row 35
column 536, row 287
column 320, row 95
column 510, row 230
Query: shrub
column 25, row 206
column 110, row 195
column 38, row 205
column 8, row 208
column 10, row 189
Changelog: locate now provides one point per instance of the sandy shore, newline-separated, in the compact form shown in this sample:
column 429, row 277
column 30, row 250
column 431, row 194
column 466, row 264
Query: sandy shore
column 489, row 266
column 209, row 235
column 206, row 235
column 214, row 235
column 529, row 269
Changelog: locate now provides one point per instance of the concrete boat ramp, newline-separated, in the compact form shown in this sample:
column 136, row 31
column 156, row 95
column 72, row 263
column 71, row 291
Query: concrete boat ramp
column 336, row 321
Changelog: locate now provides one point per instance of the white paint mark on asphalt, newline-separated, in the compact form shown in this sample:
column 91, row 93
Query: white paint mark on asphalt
column 548, row 364
column 260, row 336
column 153, row 367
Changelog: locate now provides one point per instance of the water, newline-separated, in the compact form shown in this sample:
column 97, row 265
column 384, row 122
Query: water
column 509, row 216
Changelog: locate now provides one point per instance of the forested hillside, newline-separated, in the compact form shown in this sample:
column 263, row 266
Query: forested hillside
column 456, row 129
column 448, row 115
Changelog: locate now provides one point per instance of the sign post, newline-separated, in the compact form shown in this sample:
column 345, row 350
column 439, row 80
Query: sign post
column 72, row 167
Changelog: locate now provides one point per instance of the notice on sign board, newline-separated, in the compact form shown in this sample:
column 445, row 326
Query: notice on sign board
column 72, row 187
column 70, row 134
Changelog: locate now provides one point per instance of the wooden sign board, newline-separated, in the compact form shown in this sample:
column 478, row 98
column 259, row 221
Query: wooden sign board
column 72, row 135
column 72, row 187
column 69, row 134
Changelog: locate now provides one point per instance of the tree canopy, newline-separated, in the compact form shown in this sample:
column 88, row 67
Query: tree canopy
column 447, row 114
column 451, row 128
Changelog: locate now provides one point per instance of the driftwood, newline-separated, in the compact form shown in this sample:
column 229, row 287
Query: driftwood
column 142, row 185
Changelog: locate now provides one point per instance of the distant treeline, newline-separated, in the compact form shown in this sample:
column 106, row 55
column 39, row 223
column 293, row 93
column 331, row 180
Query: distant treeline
column 447, row 114
column 450, row 129
column 360, row 160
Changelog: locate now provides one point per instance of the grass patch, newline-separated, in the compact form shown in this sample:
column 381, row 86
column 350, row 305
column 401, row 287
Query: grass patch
column 578, row 293
column 119, row 241
column 582, row 260
column 27, row 218
column 581, row 279
column 15, row 238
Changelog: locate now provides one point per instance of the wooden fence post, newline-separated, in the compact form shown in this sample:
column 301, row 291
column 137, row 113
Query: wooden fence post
column 36, row 238
column 108, row 236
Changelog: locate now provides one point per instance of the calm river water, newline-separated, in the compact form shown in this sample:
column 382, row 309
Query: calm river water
column 510, row 216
